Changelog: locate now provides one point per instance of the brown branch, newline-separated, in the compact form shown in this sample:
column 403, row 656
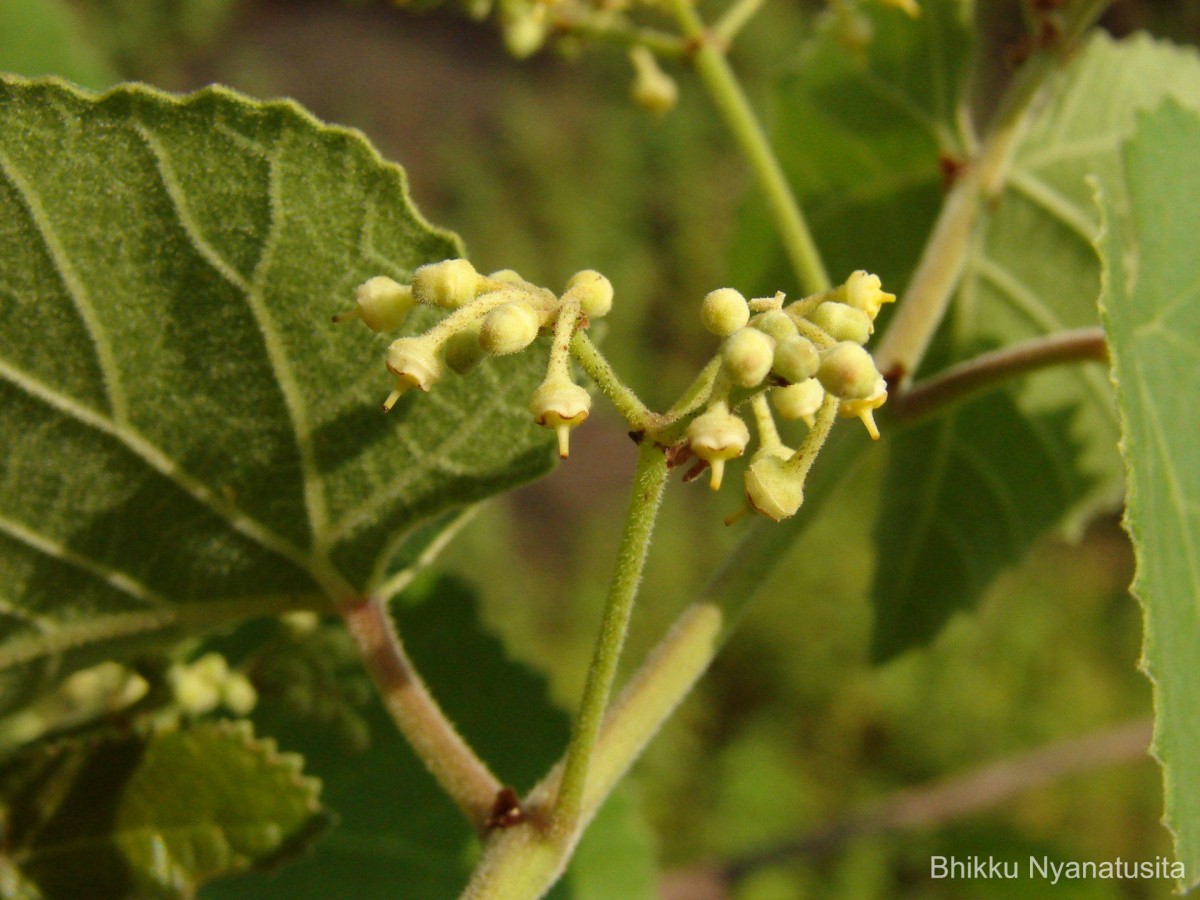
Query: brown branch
column 988, row 370
column 462, row 774
column 935, row 803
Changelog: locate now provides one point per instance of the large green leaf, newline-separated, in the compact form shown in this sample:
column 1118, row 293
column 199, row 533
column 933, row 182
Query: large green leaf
column 1151, row 312
column 860, row 133
column 972, row 490
column 1033, row 272
column 150, row 816
column 187, row 439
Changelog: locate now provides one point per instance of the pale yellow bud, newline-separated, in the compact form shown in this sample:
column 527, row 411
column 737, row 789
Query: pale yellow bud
column 777, row 324
column 800, row 400
column 595, row 293
column 414, row 363
column 842, row 322
column 652, row 88
column 848, row 372
column 863, row 290
column 509, row 328
column 796, row 358
column 560, row 404
column 449, row 284
column 381, row 303
column 748, row 356
column 717, row 436
column 724, row 311
column 773, row 487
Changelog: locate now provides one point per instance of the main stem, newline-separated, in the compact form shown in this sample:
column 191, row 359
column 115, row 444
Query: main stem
column 711, row 64
column 649, row 479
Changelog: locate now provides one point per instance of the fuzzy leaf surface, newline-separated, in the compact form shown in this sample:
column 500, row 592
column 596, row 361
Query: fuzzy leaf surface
column 188, row 440
column 1151, row 313
column 1033, row 272
column 151, row 816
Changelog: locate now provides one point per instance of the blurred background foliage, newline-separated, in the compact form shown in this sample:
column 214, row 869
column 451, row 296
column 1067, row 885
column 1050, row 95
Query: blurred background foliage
column 545, row 166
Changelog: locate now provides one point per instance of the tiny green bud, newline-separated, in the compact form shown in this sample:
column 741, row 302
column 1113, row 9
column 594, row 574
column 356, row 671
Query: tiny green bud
column 595, row 293
column 863, row 291
column 560, row 404
column 724, row 311
column 773, row 487
column 509, row 328
column 800, row 400
column 796, row 358
column 652, row 88
column 414, row 363
column 748, row 356
column 716, row 436
column 381, row 303
column 848, row 372
column 842, row 322
column 463, row 351
column 450, row 283
column 777, row 324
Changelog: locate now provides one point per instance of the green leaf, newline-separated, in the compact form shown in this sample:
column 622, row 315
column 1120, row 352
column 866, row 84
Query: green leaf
column 859, row 134
column 398, row 834
column 1033, row 272
column 1151, row 312
column 151, row 815
column 972, row 489
column 189, row 441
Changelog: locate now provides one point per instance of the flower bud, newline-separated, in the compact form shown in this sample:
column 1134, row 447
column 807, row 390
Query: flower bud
column 560, row 404
column 773, row 487
column 796, row 359
column 848, row 372
column 652, row 88
column 450, row 283
column 862, row 290
column 524, row 31
column 716, row 436
column 800, row 400
column 777, row 324
column 238, row 694
column 724, row 311
column 463, row 351
column 595, row 293
column 748, row 356
column 842, row 322
column 509, row 328
column 865, row 409
column 413, row 363
column 381, row 303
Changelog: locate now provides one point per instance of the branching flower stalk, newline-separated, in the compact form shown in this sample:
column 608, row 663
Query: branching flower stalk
column 803, row 361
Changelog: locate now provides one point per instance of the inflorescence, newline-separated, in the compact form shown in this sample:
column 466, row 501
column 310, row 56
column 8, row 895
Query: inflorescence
column 803, row 360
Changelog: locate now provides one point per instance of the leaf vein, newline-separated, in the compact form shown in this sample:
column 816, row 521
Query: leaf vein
column 75, row 288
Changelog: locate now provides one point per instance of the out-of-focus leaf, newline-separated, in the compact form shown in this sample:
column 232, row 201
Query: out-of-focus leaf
column 859, row 134
column 397, row 833
column 136, row 816
column 1033, row 272
column 188, row 441
column 44, row 37
column 616, row 856
column 1151, row 312
column 967, row 494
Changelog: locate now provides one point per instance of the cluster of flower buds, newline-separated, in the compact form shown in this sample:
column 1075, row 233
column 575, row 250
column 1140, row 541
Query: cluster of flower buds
column 808, row 357
column 496, row 315
column 201, row 686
